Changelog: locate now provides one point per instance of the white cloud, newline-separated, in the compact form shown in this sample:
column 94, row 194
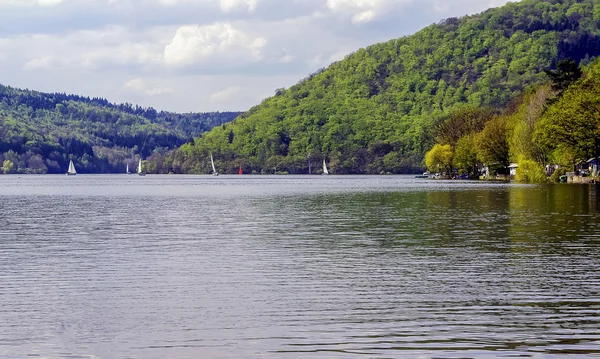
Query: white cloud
column 140, row 86
column 40, row 63
column 31, row 2
column 363, row 11
column 225, row 5
column 226, row 94
column 231, row 5
column 49, row 2
column 287, row 58
column 87, row 49
column 192, row 43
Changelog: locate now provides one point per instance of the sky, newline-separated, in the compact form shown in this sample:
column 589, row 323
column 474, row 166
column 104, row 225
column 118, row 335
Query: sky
column 196, row 55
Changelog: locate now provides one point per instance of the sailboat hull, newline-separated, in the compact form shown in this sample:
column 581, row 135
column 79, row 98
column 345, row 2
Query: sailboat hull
column 71, row 174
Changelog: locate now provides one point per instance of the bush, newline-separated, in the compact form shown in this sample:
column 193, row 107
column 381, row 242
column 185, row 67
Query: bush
column 530, row 172
column 559, row 172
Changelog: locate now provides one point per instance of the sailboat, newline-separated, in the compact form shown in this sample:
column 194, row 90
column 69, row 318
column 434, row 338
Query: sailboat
column 325, row 172
column 139, row 169
column 215, row 173
column 127, row 170
column 71, row 171
column 240, row 171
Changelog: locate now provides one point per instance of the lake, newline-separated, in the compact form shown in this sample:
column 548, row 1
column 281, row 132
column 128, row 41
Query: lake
column 117, row 266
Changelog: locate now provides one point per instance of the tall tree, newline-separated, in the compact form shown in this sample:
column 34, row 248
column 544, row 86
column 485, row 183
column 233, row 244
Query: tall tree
column 462, row 122
column 439, row 159
column 492, row 144
column 574, row 120
column 566, row 73
column 465, row 156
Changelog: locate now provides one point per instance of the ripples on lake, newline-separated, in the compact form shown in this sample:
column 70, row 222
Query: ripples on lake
column 296, row 267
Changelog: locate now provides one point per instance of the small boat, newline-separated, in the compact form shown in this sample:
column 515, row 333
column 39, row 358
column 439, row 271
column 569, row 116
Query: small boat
column 325, row 172
column 240, row 171
column 71, row 171
column 139, row 169
column 215, row 173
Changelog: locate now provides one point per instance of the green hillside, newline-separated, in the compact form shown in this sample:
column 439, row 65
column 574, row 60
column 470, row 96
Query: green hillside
column 40, row 132
column 375, row 111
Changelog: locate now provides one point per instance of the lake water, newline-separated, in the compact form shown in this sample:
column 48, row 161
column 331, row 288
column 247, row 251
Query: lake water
column 117, row 266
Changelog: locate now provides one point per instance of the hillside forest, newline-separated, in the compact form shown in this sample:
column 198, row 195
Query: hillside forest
column 41, row 132
column 380, row 109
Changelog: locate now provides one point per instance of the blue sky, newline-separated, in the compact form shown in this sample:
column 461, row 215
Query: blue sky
column 196, row 55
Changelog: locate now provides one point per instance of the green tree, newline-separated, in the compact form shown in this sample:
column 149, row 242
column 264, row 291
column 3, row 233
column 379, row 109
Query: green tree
column 574, row 120
column 465, row 157
column 462, row 122
column 522, row 124
column 566, row 73
column 530, row 171
column 439, row 159
column 491, row 143
column 8, row 167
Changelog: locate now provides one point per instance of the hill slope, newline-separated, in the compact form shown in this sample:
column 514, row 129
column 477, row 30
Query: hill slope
column 39, row 132
column 373, row 111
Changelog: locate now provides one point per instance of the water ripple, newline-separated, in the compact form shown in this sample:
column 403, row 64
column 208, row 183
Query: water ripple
column 296, row 267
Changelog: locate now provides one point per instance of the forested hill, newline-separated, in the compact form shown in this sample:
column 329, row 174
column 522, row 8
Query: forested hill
column 374, row 111
column 40, row 132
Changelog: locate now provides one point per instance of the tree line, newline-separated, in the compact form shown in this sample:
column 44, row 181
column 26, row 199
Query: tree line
column 41, row 132
column 556, row 124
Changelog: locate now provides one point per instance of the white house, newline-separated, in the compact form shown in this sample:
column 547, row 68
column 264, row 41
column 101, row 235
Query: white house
column 512, row 169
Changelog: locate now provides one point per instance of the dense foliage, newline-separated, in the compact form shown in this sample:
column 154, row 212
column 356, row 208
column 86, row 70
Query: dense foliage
column 555, row 126
column 569, row 130
column 376, row 111
column 40, row 132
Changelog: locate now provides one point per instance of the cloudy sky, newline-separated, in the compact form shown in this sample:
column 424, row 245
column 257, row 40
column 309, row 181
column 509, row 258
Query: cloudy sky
column 196, row 55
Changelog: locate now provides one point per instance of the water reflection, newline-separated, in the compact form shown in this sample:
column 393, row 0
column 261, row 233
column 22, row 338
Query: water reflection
column 298, row 267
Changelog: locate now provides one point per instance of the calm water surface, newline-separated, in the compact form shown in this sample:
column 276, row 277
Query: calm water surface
column 296, row 267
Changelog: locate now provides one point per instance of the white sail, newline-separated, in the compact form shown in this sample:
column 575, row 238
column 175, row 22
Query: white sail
column 213, row 164
column 127, row 170
column 71, row 170
column 325, row 172
column 139, row 169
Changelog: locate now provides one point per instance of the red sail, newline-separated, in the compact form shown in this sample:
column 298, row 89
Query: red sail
column 240, row 171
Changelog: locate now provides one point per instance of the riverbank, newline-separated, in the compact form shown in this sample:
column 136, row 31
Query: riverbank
column 583, row 179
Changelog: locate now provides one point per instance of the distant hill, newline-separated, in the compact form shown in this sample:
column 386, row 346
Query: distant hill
column 40, row 132
column 374, row 111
